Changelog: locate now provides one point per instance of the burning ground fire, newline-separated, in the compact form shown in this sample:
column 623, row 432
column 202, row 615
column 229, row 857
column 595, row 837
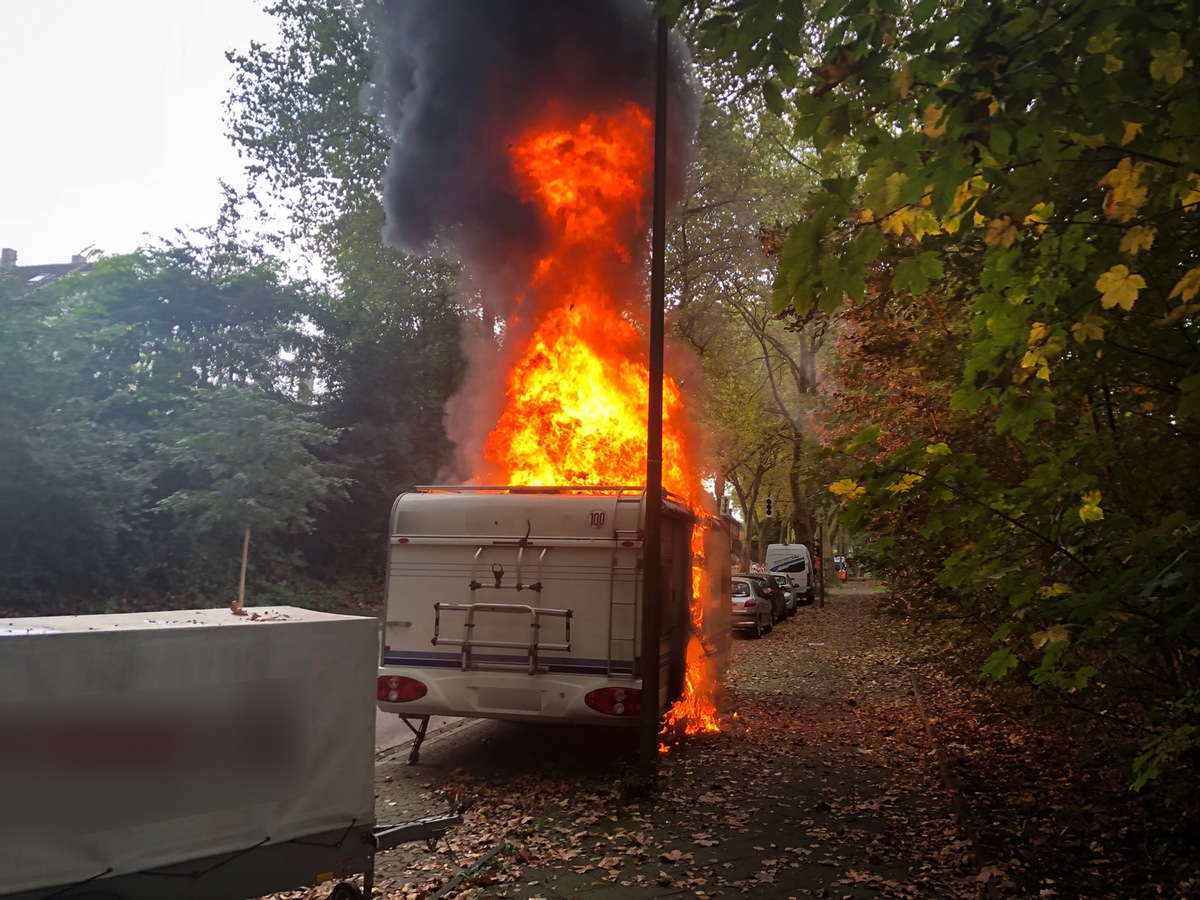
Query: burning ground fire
column 523, row 144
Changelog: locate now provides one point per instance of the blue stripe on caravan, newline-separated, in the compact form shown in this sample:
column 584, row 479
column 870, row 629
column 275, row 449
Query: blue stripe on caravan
column 425, row 660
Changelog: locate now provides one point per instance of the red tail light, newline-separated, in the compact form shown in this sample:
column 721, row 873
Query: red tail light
column 615, row 701
column 398, row 689
column 751, row 602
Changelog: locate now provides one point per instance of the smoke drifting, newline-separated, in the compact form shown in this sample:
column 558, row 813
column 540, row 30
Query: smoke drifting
column 456, row 80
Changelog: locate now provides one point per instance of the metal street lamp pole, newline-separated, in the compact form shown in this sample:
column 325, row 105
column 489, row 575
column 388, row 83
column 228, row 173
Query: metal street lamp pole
column 652, row 591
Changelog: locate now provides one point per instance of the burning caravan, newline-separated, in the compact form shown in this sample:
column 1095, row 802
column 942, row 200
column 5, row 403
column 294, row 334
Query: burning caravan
column 524, row 603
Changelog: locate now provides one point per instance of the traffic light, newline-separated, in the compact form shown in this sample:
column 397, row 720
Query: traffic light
column 770, row 508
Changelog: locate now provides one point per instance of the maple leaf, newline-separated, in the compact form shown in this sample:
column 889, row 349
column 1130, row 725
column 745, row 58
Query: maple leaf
column 1104, row 41
column 1089, row 507
column 848, row 488
column 932, row 123
column 1055, row 634
column 1119, row 287
column 1039, row 216
column 896, row 222
column 1126, row 195
column 1132, row 130
column 1187, row 286
column 1000, row 231
column 1057, row 589
column 1089, row 328
column 1169, row 62
column 1191, row 194
column 1185, row 289
column 906, row 483
column 1137, row 239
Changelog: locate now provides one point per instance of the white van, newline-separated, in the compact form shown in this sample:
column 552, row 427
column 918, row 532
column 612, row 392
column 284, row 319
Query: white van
column 794, row 561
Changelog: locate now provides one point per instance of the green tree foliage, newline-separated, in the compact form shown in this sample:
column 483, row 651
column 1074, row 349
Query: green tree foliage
column 759, row 367
column 107, row 379
column 1021, row 223
column 389, row 332
column 245, row 461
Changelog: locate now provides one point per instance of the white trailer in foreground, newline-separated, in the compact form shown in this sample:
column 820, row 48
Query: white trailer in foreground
column 191, row 755
column 526, row 604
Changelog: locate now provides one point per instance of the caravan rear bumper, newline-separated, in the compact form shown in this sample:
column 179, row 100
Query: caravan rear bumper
column 552, row 696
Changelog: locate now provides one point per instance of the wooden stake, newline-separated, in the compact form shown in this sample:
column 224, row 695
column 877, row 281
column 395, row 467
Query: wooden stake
column 238, row 605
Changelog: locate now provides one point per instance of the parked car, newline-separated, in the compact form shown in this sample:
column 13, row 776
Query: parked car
column 767, row 586
column 753, row 611
column 783, row 584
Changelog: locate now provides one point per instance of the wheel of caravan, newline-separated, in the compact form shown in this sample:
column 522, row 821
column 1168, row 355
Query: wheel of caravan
column 345, row 890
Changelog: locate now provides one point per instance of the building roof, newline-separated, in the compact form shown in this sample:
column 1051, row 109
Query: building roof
column 23, row 279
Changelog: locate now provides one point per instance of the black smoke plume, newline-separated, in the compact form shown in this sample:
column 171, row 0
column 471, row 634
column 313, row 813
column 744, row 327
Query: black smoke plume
column 455, row 80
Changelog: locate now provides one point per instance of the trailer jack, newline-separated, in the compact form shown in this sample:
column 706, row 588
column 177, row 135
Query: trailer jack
column 418, row 725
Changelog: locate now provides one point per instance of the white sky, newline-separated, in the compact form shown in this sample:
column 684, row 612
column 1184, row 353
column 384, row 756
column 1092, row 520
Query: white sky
column 111, row 115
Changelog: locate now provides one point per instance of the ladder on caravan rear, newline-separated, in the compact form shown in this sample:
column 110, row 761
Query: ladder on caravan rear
column 622, row 625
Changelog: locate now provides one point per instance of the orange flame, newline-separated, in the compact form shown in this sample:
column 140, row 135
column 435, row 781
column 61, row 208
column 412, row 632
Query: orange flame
column 577, row 397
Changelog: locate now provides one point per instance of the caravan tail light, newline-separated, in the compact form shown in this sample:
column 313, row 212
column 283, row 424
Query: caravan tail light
column 398, row 689
column 613, row 701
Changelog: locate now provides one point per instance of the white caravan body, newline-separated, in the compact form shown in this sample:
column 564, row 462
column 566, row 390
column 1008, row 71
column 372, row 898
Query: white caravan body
column 526, row 604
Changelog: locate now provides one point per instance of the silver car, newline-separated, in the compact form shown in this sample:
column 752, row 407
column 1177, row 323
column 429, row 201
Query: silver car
column 753, row 611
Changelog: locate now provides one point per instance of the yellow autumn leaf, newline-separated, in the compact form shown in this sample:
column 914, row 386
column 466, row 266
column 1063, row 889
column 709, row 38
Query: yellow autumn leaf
column 1000, row 231
column 1089, row 328
column 1112, row 64
column 941, row 448
column 1119, row 287
column 1039, row 216
column 902, row 83
column 848, row 488
column 1038, row 333
column 896, row 222
column 906, row 483
column 1191, row 194
column 1132, row 130
column 1187, row 287
column 1034, row 362
column 924, row 222
column 1089, row 507
column 1168, row 63
column 1055, row 634
column 1126, row 195
column 1137, row 239
column 931, row 122
column 1057, row 589
column 1103, row 42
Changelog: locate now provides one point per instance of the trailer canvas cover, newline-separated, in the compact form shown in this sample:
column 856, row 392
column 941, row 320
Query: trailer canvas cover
column 139, row 740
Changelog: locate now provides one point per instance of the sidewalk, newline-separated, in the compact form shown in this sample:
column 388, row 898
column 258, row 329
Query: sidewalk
column 810, row 791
